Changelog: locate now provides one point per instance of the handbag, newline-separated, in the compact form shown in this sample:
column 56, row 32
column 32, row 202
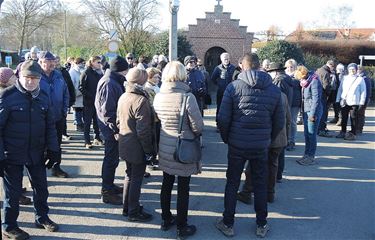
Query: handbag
column 187, row 150
column 343, row 100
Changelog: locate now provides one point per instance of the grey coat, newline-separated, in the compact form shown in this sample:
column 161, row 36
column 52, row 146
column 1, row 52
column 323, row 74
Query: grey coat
column 167, row 105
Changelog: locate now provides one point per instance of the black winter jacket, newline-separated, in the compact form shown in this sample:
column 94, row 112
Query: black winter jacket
column 88, row 84
column 251, row 113
column 27, row 127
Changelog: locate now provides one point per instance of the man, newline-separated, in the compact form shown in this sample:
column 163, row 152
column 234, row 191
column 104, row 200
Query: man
column 325, row 76
column 56, row 87
column 222, row 76
column 72, row 94
column 75, row 74
column 109, row 90
column 27, row 128
column 250, row 116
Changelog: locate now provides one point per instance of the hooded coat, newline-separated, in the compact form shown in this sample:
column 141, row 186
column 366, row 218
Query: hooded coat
column 167, row 105
column 251, row 113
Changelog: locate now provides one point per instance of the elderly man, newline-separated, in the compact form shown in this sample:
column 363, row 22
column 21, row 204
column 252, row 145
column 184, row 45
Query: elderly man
column 53, row 82
column 27, row 128
column 222, row 76
column 250, row 117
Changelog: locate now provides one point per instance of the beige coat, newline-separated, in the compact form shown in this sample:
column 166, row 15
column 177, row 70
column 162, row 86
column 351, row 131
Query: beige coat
column 167, row 105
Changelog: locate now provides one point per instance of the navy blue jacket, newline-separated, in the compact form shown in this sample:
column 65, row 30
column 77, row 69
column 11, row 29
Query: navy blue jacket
column 109, row 90
column 196, row 82
column 88, row 85
column 251, row 113
column 312, row 95
column 58, row 93
column 222, row 76
column 297, row 93
column 27, row 127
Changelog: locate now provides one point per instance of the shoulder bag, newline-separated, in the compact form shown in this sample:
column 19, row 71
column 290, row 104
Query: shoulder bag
column 187, row 150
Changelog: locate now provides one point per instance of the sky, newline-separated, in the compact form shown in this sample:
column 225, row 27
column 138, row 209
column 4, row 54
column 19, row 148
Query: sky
column 261, row 14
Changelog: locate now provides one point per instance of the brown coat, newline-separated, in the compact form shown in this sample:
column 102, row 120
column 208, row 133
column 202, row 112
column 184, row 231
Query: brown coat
column 135, row 120
column 167, row 105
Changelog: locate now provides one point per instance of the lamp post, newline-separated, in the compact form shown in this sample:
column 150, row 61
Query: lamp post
column 173, row 8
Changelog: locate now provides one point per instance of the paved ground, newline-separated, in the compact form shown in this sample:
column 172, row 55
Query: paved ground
column 332, row 200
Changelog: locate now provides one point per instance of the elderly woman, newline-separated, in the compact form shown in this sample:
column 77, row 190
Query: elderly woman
column 135, row 120
column 167, row 105
column 312, row 111
column 352, row 96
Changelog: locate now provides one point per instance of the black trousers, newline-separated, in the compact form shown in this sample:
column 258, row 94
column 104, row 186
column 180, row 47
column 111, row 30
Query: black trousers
column 89, row 115
column 353, row 111
column 132, row 187
column 59, row 130
column 183, row 188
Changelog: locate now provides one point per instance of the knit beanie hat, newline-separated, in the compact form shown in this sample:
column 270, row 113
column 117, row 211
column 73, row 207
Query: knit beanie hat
column 118, row 64
column 353, row 65
column 188, row 59
column 136, row 76
column 5, row 75
column 31, row 68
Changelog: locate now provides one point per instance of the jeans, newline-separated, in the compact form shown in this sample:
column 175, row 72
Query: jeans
column 273, row 162
column 259, row 173
column 89, row 115
column 110, row 162
column 322, row 124
column 183, row 189
column 353, row 111
column 293, row 124
column 78, row 116
column 132, row 186
column 12, row 183
column 310, row 132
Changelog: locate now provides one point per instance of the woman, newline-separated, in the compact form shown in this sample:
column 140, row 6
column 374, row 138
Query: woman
column 75, row 74
column 312, row 111
column 135, row 120
column 88, row 83
column 352, row 96
column 167, row 105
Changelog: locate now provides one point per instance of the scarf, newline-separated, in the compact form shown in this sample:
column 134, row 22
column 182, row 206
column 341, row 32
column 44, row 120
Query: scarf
column 34, row 93
column 306, row 82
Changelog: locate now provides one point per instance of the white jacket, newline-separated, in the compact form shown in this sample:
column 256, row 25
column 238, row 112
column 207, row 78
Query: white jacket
column 75, row 75
column 353, row 92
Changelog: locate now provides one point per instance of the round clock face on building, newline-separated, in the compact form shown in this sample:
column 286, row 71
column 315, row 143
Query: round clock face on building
column 113, row 46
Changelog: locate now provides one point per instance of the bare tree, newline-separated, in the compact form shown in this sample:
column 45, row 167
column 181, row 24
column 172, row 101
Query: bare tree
column 273, row 33
column 338, row 17
column 299, row 32
column 24, row 17
column 131, row 19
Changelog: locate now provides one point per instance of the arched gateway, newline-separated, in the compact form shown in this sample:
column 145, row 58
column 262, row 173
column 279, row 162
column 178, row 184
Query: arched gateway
column 218, row 33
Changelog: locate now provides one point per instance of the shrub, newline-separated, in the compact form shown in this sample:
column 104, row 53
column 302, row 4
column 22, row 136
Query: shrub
column 281, row 51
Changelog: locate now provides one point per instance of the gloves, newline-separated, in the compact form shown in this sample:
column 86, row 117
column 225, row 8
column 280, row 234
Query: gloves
column 312, row 118
column 52, row 158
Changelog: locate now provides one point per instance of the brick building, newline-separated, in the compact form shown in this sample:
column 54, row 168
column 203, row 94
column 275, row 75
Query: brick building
column 218, row 33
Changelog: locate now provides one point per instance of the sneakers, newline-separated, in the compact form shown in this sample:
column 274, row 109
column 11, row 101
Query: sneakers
column 111, row 197
column 117, row 189
column 301, row 159
column 244, row 197
column 48, row 224
column 334, row 120
column 58, row 172
column 167, row 224
column 349, row 136
column 324, row 133
column 16, row 233
column 88, row 145
column 188, row 230
column 224, row 229
column 262, row 231
column 66, row 137
column 341, row 135
column 97, row 142
column 24, row 200
column 308, row 160
column 291, row 146
column 141, row 216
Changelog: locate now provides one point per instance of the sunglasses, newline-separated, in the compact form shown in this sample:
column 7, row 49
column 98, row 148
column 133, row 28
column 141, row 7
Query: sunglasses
column 130, row 58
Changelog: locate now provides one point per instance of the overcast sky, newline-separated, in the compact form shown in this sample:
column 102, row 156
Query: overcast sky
column 260, row 15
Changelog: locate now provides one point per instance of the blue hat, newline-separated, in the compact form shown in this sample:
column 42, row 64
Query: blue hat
column 47, row 55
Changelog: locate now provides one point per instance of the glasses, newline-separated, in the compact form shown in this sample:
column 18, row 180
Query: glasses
column 130, row 58
column 98, row 62
column 192, row 62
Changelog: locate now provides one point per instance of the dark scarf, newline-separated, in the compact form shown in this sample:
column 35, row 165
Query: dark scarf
column 34, row 93
column 306, row 82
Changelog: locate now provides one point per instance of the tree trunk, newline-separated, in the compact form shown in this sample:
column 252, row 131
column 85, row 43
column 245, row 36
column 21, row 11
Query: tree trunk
column 22, row 37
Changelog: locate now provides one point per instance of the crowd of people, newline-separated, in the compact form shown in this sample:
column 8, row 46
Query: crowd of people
column 140, row 110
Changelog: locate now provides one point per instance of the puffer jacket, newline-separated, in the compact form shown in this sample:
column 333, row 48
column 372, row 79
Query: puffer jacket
column 135, row 121
column 27, row 127
column 312, row 95
column 167, row 105
column 57, row 90
column 75, row 75
column 251, row 113
column 222, row 76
